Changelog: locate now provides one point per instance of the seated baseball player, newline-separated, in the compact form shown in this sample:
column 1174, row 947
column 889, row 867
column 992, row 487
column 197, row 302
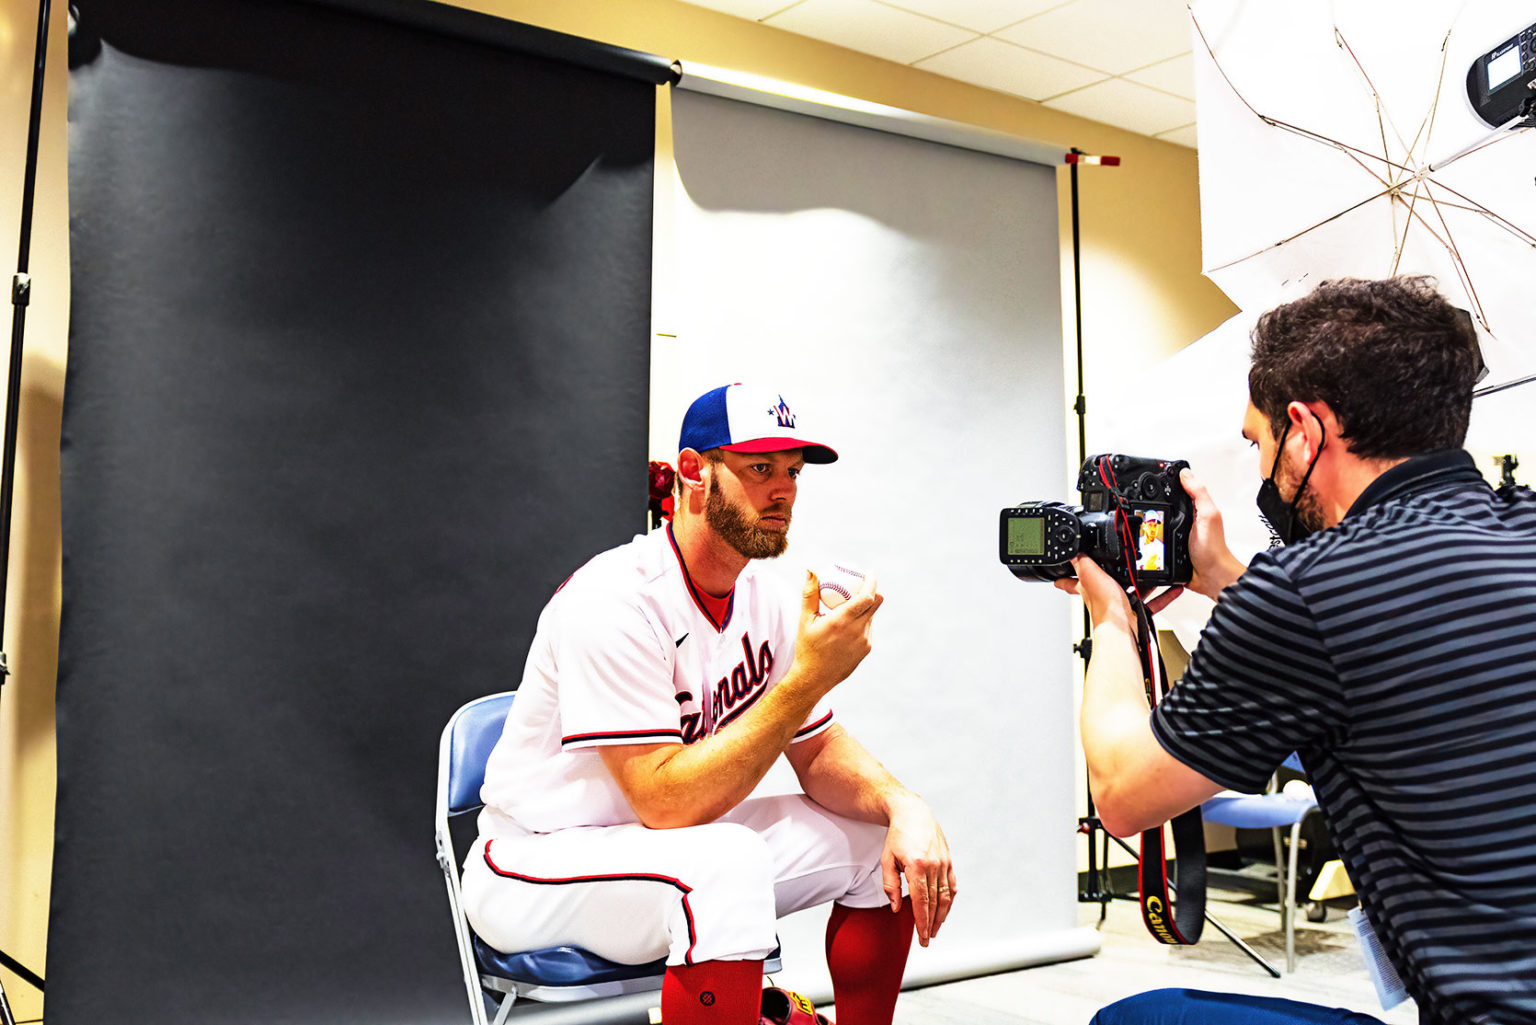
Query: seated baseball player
column 665, row 679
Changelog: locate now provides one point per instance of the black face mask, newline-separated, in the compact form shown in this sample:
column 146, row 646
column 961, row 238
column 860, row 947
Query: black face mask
column 1284, row 524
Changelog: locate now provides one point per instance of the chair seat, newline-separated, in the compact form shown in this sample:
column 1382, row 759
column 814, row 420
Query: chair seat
column 560, row 966
column 573, row 966
column 1256, row 811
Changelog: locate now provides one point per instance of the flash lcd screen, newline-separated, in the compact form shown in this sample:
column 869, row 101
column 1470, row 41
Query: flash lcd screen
column 1504, row 66
column 1026, row 535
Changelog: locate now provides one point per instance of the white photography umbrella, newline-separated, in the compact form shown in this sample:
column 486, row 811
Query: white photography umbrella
column 1337, row 139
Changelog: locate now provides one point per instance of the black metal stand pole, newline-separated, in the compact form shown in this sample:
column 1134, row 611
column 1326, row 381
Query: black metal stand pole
column 21, row 295
column 1097, row 890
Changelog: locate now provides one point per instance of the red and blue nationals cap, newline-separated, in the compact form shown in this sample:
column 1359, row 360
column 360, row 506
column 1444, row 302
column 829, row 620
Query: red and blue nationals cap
column 747, row 418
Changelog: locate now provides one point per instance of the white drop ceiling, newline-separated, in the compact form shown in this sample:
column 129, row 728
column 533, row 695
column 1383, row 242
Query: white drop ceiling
column 1123, row 62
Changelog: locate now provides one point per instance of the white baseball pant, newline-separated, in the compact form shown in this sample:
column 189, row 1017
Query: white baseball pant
column 698, row 893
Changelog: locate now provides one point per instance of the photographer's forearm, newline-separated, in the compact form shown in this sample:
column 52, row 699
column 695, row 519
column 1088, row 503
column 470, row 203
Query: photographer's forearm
column 1136, row 784
column 1114, row 711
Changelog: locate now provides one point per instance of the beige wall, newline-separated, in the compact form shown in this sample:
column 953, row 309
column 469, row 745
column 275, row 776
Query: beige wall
column 1143, row 298
column 32, row 617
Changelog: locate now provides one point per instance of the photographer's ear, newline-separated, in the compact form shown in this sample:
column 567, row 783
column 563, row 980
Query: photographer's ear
column 1312, row 422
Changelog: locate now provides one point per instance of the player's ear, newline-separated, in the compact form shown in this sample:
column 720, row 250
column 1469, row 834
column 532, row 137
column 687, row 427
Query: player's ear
column 690, row 468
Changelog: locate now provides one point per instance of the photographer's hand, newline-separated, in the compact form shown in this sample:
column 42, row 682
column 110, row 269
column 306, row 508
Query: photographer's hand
column 1102, row 593
column 1215, row 565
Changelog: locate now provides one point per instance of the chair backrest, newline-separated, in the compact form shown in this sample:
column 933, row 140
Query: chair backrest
column 467, row 742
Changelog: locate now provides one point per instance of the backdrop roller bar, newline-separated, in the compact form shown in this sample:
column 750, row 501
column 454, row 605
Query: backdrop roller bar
column 489, row 30
column 800, row 99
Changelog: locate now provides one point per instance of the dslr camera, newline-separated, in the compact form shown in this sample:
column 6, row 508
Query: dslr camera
column 1134, row 522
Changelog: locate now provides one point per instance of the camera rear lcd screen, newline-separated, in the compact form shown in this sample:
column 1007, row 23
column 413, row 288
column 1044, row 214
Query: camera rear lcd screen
column 1026, row 535
column 1150, row 554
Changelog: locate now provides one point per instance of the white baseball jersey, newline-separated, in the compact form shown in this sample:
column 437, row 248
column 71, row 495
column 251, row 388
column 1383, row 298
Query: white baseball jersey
column 629, row 651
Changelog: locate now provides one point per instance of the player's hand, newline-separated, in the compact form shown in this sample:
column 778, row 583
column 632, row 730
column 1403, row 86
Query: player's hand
column 915, row 847
column 1215, row 565
column 830, row 647
column 1102, row 593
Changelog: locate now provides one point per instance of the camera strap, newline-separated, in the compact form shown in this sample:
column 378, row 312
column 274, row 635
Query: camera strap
column 1167, row 923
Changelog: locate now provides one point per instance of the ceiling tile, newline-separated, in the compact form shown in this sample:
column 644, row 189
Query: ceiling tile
column 1175, row 76
column 978, row 15
column 1128, row 105
column 1011, row 69
column 1183, row 136
column 753, row 9
column 871, row 27
column 1112, row 35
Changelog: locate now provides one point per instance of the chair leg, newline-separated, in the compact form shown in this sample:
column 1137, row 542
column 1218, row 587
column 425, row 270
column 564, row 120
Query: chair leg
column 1290, row 899
column 1274, row 833
column 505, row 1011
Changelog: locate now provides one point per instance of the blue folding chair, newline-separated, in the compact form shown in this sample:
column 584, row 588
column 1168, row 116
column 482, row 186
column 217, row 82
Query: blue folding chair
column 1272, row 811
column 495, row 980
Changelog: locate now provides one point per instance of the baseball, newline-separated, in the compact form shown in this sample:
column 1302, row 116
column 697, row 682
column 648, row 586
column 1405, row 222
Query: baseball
column 838, row 583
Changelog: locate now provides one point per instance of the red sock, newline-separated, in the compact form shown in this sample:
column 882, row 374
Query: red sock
column 712, row 993
column 867, row 954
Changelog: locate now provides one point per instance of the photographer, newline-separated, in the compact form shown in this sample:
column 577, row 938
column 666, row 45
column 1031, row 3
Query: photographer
column 1391, row 643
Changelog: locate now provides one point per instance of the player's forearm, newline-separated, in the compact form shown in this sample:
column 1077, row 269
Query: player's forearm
column 702, row 781
column 845, row 778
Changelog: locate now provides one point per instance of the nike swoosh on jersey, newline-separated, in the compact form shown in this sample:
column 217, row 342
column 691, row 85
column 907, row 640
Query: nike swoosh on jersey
column 681, row 639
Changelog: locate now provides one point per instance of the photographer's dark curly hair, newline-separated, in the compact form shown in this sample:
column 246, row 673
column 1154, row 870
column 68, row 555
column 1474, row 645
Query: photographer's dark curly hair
column 1393, row 359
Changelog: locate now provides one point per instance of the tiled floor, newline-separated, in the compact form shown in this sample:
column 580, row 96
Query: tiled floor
column 1328, row 971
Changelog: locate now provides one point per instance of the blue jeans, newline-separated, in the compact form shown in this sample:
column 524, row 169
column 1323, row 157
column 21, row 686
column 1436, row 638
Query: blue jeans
column 1197, row 1007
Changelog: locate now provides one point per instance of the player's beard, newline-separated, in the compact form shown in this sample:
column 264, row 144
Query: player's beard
column 737, row 529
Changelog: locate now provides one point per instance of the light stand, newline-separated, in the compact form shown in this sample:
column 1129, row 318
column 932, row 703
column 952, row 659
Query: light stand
column 1096, row 889
column 21, row 295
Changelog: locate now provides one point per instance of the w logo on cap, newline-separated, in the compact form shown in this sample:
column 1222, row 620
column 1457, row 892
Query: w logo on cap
column 740, row 418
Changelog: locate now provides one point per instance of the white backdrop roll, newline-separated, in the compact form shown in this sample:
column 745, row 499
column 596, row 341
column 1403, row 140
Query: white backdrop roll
column 906, row 297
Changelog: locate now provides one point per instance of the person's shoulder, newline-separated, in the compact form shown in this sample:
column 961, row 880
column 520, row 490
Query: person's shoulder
column 1518, row 502
column 1267, row 570
column 620, row 574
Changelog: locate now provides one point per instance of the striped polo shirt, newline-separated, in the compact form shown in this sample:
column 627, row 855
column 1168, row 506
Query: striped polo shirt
column 1396, row 652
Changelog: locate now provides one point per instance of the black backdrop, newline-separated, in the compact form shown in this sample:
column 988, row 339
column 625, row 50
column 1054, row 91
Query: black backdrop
column 358, row 373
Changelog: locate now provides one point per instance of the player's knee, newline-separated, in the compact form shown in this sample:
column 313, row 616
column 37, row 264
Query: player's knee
column 729, row 866
column 732, row 853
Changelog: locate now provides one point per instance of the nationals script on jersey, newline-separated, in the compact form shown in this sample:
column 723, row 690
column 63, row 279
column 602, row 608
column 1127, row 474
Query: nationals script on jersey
column 628, row 651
